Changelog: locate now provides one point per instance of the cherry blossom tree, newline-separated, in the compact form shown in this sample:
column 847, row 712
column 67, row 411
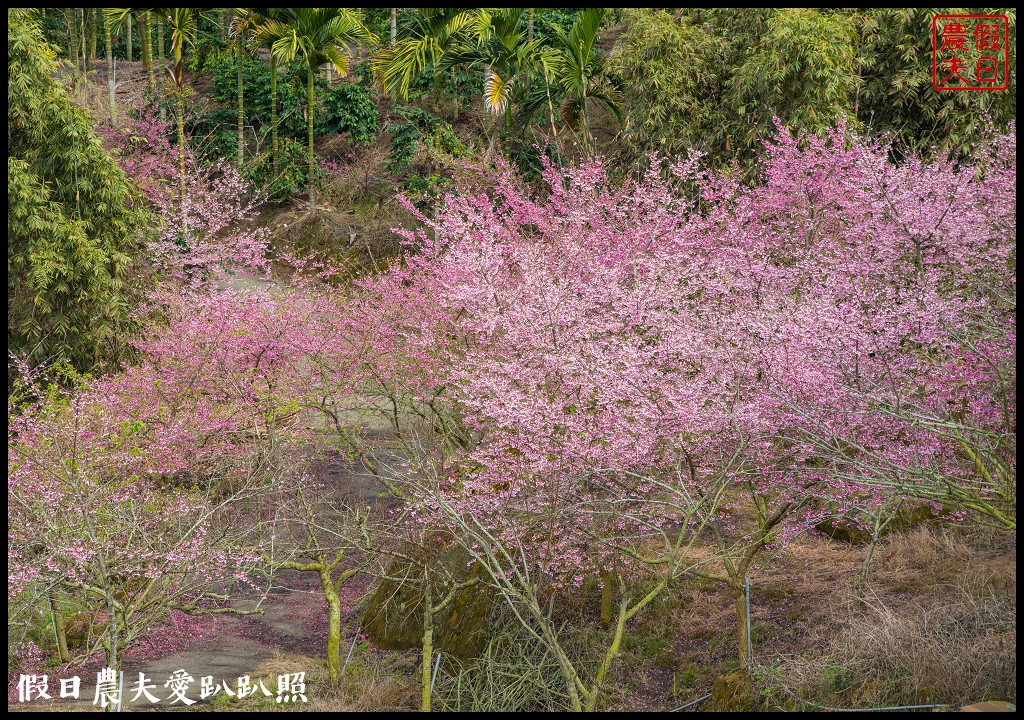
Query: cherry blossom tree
column 140, row 493
column 208, row 228
column 839, row 332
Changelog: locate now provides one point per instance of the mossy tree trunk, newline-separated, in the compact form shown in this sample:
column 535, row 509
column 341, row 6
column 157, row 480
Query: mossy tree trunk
column 111, row 89
column 146, row 36
column 60, row 630
column 739, row 593
column 239, row 55
column 179, row 106
column 430, row 610
column 331, row 588
column 607, row 579
column 162, row 71
column 309, row 112
column 273, row 113
column 84, row 52
column 428, row 644
column 737, row 569
column 94, row 16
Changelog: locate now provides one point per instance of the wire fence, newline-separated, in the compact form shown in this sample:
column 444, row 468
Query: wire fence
column 750, row 655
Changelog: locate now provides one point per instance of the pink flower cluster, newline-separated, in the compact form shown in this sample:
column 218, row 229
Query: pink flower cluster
column 208, row 228
column 602, row 342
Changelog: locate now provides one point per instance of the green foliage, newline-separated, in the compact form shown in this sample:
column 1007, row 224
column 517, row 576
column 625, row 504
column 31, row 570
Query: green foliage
column 669, row 72
column 73, row 221
column 575, row 70
column 426, row 191
column 293, row 171
column 349, row 109
column 714, row 79
column 463, row 83
column 421, row 127
column 527, row 159
column 546, row 20
column 346, row 108
column 208, row 45
column 897, row 96
column 802, row 71
column 291, row 94
column 215, row 134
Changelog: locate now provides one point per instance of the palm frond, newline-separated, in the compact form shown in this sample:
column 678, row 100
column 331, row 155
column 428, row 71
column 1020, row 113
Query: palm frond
column 496, row 91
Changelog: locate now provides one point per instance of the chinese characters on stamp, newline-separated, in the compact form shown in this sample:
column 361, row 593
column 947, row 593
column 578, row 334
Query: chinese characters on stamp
column 970, row 52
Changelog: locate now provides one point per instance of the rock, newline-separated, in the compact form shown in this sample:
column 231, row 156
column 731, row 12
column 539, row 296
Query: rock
column 731, row 692
column 990, row 706
column 394, row 616
column 846, row 531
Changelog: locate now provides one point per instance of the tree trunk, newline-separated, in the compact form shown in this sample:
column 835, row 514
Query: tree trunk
column 180, row 107
column 73, row 41
column 97, row 24
column 394, row 26
column 128, row 44
column 146, row 36
column 273, row 112
column 309, row 112
column 91, row 23
column 609, row 658
column 588, row 139
column 241, row 103
column 162, row 68
column 84, row 31
column 740, row 596
column 529, row 27
column 333, row 624
column 554, row 129
column 85, row 60
column 112, row 645
column 607, row 578
column 428, row 644
column 60, row 630
column 110, row 72
column 568, row 672
column 455, row 86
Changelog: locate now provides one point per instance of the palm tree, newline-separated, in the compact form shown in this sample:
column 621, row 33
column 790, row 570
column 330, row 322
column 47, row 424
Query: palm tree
column 251, row 22
column 110, row 68
column 128, row 40
column 162, row 66
column 146, row 36
column 183, row 24
column 573, row 70
column 431, row 33
column 73, row 44
column 241, row 27
column 316, row 36
column 506, row 51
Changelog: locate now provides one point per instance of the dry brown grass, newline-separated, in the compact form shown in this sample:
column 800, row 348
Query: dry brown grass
column 283, row 663
column 936, row 624
column 924, row 551
column 374, row 688
column 959, row 650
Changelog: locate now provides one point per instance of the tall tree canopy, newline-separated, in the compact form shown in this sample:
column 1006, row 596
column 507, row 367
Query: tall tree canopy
column 73, row 218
